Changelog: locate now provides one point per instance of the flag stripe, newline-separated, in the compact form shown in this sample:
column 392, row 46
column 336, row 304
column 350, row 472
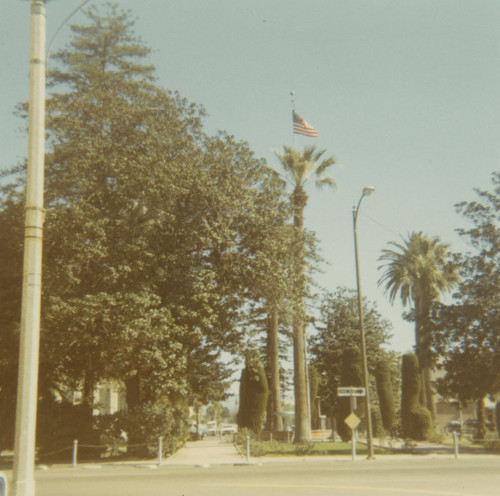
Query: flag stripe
column 300, row 126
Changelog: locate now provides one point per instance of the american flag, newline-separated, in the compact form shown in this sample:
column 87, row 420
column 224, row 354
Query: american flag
column 300, row 126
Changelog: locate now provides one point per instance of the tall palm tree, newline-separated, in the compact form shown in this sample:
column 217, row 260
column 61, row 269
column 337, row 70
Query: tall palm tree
column 301, row 167
column 419, row 270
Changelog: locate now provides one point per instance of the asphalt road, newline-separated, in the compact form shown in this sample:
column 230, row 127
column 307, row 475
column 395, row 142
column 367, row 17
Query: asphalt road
column 420, row 476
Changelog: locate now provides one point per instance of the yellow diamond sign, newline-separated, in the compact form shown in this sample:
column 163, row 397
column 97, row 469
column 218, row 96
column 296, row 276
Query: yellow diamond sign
column 352, row 421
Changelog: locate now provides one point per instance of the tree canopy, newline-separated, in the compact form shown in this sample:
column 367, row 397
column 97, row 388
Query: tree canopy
column 153, row 229
column 337, row 341
column 468, row 339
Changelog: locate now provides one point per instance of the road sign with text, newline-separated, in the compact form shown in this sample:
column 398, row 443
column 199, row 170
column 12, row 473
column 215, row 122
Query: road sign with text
column 351, row 391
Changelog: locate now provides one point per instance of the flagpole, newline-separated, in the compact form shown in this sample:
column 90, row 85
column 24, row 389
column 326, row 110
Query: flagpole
column 292, row 94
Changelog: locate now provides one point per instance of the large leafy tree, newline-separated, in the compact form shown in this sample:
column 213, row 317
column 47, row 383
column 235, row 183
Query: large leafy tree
column 300, row 168
column 11, row 263
column 147, row 249
column 336, row 344
column 468, row 337
column 418, row 271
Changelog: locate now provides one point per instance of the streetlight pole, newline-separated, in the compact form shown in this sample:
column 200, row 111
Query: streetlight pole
column 24, row 449
column 366, row 192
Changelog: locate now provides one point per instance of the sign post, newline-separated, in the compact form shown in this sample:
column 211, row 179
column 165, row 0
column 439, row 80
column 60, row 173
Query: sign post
column 352, row 420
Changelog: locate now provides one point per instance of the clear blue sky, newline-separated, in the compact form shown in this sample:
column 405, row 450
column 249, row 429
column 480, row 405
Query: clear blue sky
column 404, row 93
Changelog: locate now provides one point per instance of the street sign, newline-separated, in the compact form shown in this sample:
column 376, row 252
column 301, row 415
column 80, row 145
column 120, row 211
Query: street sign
column 351, row 391
column 352, row 421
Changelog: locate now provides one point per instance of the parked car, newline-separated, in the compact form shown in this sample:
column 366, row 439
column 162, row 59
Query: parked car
column 212, row 428
column 454, row 426
column 228, row 428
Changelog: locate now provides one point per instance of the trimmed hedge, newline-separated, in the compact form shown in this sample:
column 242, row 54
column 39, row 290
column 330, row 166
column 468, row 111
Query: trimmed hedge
column 385, row 396
column 416, row 420
column 254, row 391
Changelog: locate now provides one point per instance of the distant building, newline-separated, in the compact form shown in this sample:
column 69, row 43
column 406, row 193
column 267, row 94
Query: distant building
column 109, row 397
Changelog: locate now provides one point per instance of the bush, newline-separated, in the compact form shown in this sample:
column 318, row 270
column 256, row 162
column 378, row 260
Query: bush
column 377, row 427
column 303, row 449
column 146, row 422
column 257, row 448
column 60, row 423
column 385, row 396
column 421, row 424
column 254, row 391
column 409, row 393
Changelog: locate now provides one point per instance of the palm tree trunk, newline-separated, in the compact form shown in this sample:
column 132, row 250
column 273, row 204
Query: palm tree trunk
column 302, row 416
column 419, row 351
column 430, row 394
column 273, row 341
column 423, row 350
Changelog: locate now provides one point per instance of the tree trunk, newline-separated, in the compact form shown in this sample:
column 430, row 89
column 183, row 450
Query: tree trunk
column 302, row 416
column 481, row 424
column 133, row 391
column 273, row 342
column 89, row 384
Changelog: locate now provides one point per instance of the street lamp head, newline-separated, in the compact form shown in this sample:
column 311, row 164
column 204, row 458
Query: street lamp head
column 368, row 190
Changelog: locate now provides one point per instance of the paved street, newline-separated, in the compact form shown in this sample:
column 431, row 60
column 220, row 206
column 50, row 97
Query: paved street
column 410, row 476
column 212, row 469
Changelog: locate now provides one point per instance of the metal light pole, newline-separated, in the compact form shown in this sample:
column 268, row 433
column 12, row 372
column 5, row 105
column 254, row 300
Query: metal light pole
column 24, row 449
column 366, row 191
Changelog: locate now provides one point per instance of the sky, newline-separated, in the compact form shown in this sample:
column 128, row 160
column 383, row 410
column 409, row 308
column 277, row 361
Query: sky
column 405, row 95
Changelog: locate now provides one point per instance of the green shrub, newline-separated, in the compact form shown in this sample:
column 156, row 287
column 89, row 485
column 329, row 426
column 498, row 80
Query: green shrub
column 257, row 448
column 421, row 424
column 146, row 422
column 60, row 423
column 385, row 396
column 276, row 447
column 254, row 391
column 303, row 449
column 241, row 436
column 410, row 392
column 377, row 427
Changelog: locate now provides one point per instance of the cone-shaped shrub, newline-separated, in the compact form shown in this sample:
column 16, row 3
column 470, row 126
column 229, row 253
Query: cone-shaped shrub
column 416, row 420
column 385, row 396
column 410, row 390
column 253, row 394
column 377, row 426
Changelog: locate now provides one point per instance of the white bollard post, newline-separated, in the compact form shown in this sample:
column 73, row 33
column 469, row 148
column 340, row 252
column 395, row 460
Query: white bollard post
column 455, row 443
column 160, row 450
column 75, row 453
column 248, row 449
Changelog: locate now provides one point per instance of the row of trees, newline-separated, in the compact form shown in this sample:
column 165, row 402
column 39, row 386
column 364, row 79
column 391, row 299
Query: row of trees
column 165, row 247
column 159, row 240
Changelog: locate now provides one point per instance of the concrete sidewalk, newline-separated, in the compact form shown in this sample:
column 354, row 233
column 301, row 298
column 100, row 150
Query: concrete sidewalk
column 209, row 451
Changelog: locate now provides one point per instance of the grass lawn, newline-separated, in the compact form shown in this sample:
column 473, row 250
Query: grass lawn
column 263, row 448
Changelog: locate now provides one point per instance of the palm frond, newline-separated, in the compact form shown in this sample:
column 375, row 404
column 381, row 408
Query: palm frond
column 326, row 181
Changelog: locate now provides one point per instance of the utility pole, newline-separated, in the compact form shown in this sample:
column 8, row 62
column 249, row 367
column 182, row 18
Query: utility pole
column 27, row 388
column 369, row 438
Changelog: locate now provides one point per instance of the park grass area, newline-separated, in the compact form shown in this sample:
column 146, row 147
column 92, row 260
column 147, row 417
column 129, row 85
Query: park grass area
column 274, row 448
